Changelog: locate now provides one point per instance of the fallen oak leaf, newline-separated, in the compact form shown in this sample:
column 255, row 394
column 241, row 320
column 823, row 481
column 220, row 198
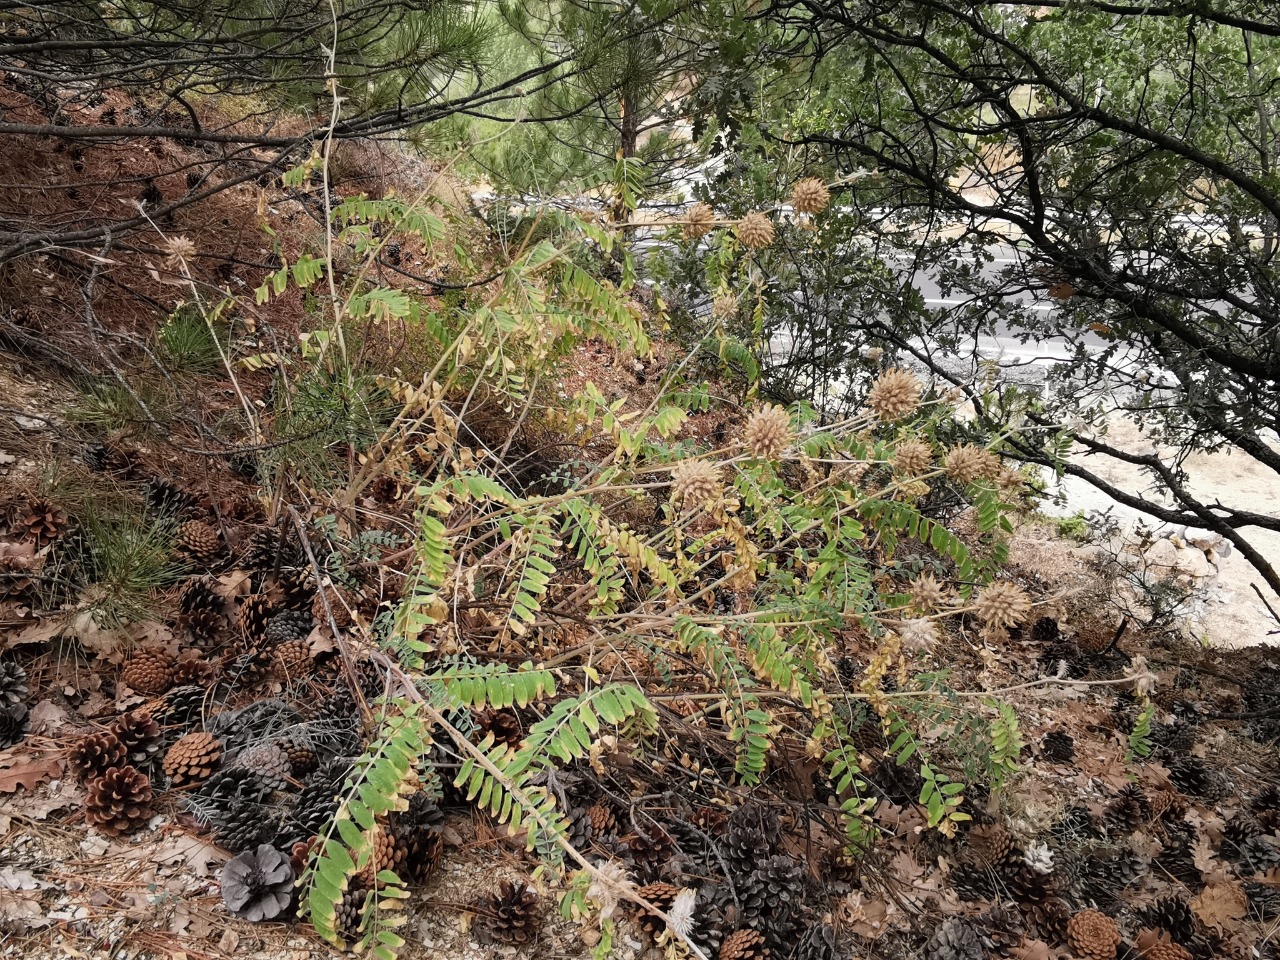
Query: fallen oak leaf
column 28, row 774
column 1221, row 905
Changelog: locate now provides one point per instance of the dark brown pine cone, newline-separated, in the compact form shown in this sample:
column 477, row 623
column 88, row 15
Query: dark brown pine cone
column 650, row 849
column 255, row 610
column 508, row 916
column 341, row 603
column 1049, row 918
column 148, row 671
column 200, row 609
column 504, row 724
column 1059, row 746
column 297, row 591
column 990, row 846
column 1028, row 885
column 118, row 801
column 744, row 944
column 140, row 734
column 1171, row 915
column 1002, row 926
column 1266, row 807
column 94, row 755
column 348, row 912
column 193, row 759
column 201, row 542
column 603, row 821
column 287, row 625
column 303, row 756
column 1128, row 811
column 265, row 758
column 291, row 661
column 423, row 849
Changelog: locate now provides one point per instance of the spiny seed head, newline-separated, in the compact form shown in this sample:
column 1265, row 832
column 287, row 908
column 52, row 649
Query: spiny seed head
column 724, row 306
column 927, row 594
column 810, row 195
column 1010, row 483
column 895, row 395
column 920, row 635
column 1002, row 605
column 913, row 457
column 968, row 463
column 768, row 432
column 694, row 482
column 755, row 230
column 181, row 250
column 700, row 221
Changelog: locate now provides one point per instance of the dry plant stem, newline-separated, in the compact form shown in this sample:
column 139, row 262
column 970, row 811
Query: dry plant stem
column 626, row 889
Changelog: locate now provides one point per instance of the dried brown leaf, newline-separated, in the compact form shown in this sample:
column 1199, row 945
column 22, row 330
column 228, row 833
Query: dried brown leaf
column 1221, row 905
column 27, row 773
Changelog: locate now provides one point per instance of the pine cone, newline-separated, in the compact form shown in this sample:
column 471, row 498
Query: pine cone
column 603, row 821
column 1164, row 950
column 818, row 943
column 138, row 731
column 1093, row 935
column 13, row 684
column 771, row 897
column 1172, row 915
column 650, row 850
column 1045, row 631
column 199, row 608
column 745, row 944
column 13, row 724
column 1192, row 777
column 990, row 847
column 746, row 843
column 699, row 221
column 148, row 671
column 755, row 230
column 201, row 542
column 41, row 521
column 297, row 590
column 165, row 498
column 267, row 552
column 94, row 755
column 180, row 707
column 767, row 433
column 258, row 885
column 318, row 800
column 662, row 896
column 509, row 916
column 191, row 669
column 1258, row 855
column 694, row 483
column 423, row 848
column 895, row 395
column 302, row 753
column 1059, row 746
column 1002, row 929
column 967, row 464
column 255, row 611
column 1002, row 605
column 1266, row 807
column 1264, row 900
column 810, row 195
column 390, row 852
column 268, row 759
column 118, row 801
column 245, row 825
column 912, row 458
column 291, row 661
column 287, row 626
column 1049, row 917
column 341, row 603
column 348, row 913
column 504, row 724
column 1166, row 805
column 192, row 759
column 956, row 939
column 1127, row 812
column 1028, row 885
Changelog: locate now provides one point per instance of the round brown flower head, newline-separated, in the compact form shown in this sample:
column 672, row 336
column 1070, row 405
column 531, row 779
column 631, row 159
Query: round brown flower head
column 913, row 457
column 767, row 433
column 968, row 463
column 181, row 250
column 755, row 230
column 895, row 395
column 1010, row 482
column 1002, row 605
column 1092, row 935
column 927, row 594
column 700, row 221
column 724, row 306
column 810, row 195
column 694, row 482
column 919, row 635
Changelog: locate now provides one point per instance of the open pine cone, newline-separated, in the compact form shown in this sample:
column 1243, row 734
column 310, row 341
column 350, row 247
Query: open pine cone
column 95, row 754
column 508, row 916
column 193, row 759
column 699, row 221
column 755, row 230
column 341, row 602
column 258, row 884
column 1093, row 935
column 41, row 521
column 1157, row 945
column 767, row 433
column 291, row 660
column 504, row 724
column 895, row 395
column 200, row 541
column 118, row 801
column 255, row 610
column 990, row 846
column 662, row 896
column 191, row 668
column 265, row 758
column 140, row 734
column 810, row 195
column 744, row 944
column 199, row 608
column 148, row 671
